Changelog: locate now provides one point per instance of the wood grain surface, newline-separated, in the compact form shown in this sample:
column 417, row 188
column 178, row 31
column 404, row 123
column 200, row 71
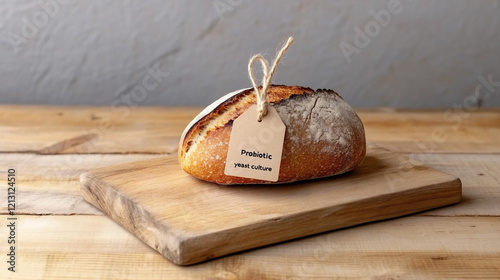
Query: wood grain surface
column 62, row 237
column 189, row 220
column 153, row 130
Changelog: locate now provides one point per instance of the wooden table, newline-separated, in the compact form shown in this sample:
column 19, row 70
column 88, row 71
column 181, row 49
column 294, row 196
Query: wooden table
column 60, row 236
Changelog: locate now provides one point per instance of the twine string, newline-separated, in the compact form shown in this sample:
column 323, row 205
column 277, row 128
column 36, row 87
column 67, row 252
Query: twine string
column 262, row 102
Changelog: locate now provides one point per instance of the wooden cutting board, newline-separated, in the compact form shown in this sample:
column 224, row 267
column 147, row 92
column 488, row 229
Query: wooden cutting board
column 189, row 221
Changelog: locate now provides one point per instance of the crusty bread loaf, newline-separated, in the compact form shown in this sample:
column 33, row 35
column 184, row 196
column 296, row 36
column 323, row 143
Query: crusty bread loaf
column 324, row 136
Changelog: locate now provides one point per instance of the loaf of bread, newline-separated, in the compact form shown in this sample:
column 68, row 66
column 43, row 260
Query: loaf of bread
column 323, row 137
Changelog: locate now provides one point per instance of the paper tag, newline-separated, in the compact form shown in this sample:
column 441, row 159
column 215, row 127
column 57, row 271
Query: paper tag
column 255, row 147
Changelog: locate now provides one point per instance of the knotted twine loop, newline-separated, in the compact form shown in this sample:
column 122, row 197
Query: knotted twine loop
column 262, row 101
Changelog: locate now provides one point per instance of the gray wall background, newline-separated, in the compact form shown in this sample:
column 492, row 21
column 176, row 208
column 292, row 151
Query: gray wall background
column 431, row 53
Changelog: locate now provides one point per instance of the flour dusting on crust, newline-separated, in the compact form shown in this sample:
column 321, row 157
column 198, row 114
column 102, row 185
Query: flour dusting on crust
column 322, row 117
column 324, row 136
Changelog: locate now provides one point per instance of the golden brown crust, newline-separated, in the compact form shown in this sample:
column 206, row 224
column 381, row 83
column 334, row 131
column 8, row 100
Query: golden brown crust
column 324, row 136
column 243, row 100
